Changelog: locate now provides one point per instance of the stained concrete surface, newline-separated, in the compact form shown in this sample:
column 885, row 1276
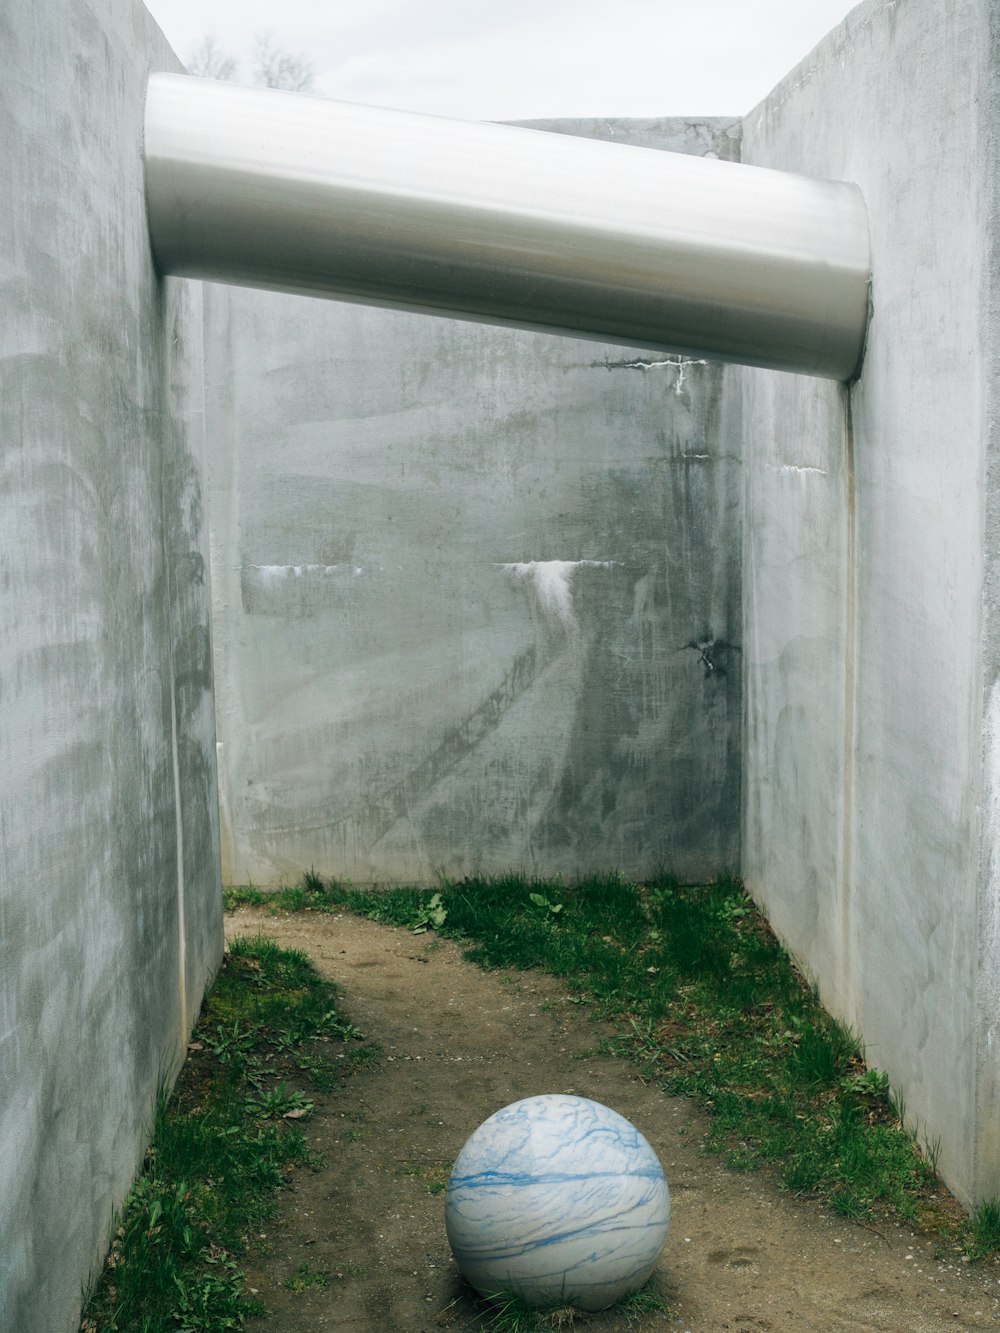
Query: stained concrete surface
column 864, row 576
column 110, row 914
column 476, row 591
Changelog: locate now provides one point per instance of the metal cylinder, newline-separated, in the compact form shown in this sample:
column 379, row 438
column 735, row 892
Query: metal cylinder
column 506, row 225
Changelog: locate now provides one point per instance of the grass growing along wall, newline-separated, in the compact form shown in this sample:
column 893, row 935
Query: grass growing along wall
column 223, row 1144
column 707, row 1002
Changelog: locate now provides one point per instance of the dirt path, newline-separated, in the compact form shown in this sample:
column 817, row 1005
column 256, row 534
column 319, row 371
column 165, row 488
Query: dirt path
column 457, row 1044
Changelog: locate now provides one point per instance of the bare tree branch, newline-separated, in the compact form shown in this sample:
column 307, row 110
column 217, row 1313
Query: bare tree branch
column 275, row 68
column 209, row 61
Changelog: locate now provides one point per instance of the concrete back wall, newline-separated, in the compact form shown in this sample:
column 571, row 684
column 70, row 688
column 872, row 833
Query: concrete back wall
column 110, row 913
column 870, row 624
column 477, row 591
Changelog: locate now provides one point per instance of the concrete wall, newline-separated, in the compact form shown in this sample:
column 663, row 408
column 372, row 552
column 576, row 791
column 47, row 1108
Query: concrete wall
column 477, row 591
column 110, row 914
column 871, row 578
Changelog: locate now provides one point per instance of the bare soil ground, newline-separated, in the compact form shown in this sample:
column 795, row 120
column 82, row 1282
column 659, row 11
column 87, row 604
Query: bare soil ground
column 457, row 1044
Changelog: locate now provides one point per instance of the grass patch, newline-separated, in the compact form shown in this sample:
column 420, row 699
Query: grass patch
column 223, row 1143
column 707, row 1002
column 432, row 1175
column 505, row 1313
column 305, row 1277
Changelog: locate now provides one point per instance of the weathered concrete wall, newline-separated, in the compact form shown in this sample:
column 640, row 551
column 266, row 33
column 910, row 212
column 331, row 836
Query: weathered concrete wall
column 477, row 591
column 867, row 651
column 110, row 914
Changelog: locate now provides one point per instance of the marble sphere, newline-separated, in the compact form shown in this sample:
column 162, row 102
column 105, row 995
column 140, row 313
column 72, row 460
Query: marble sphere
column 557, row 1200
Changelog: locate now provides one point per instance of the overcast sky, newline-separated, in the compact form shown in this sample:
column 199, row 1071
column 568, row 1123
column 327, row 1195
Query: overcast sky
column 516, row 59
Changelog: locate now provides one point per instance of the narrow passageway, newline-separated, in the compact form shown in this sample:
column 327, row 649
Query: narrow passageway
column 457, row 1043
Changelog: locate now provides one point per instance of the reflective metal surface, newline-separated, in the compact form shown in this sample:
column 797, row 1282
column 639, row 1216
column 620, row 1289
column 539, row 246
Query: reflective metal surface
column 506, row 225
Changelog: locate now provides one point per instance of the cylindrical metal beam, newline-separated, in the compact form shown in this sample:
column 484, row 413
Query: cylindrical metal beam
column 506, row 225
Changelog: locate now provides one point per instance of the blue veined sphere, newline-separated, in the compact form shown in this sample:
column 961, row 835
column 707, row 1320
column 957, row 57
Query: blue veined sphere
column 557, row 1200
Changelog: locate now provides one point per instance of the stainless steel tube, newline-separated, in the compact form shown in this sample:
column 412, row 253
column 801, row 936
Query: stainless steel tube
column 506, row 225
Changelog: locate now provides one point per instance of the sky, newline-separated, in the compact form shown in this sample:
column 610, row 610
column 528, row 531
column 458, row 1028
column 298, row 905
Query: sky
column 523, row 59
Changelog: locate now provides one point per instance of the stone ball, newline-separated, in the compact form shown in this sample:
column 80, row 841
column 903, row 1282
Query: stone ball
column 557, row 1200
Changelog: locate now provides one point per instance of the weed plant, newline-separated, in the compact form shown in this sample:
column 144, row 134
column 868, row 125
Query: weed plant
column 223, row 1143
column 705, row 999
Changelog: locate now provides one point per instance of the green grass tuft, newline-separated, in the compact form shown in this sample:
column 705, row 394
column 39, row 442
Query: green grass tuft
column 984, row 1230
column 507, row 1313
column 503, row 1313
column 305, row 1277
